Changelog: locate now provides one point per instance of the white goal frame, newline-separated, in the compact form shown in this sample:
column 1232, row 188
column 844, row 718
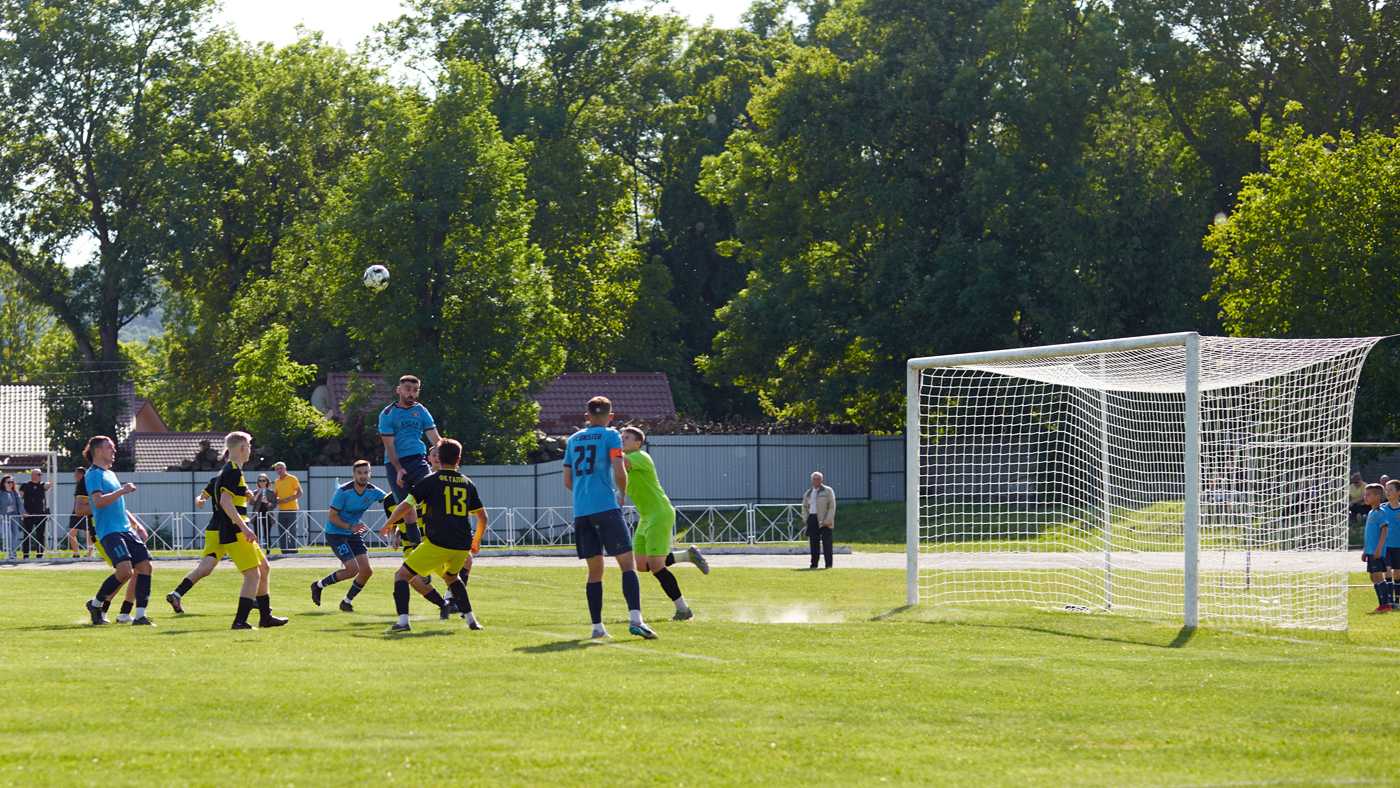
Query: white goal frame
column 1191, row 342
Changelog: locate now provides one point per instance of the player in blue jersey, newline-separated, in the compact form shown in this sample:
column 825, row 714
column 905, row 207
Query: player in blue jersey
column 596, row 475
column 1390, row 515
column 343, row 532
column 402, row 425
column 1373, row 547
column 121, row 534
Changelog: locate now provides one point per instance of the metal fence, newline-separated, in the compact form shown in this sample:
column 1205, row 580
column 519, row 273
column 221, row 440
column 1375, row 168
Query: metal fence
column 182, row 533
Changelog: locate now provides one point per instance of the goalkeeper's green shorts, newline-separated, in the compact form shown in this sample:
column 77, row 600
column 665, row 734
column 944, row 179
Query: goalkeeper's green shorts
column 653, row 535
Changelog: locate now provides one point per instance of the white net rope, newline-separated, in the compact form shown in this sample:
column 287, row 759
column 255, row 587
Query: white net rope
column 1059, row 481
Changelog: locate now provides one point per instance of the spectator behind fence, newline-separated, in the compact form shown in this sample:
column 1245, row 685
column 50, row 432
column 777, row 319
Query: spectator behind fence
column 9, row 514
column 1356, row 494
column 288, row 488
column 262, row 500
column 819, row 504
column 35, row 496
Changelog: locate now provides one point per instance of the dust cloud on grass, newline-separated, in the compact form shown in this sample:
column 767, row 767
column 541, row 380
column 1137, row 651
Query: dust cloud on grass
column 791, row 613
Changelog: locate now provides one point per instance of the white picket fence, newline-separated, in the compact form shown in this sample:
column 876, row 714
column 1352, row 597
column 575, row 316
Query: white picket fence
column 182, row 533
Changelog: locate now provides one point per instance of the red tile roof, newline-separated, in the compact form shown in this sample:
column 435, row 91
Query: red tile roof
column 635, row 395
column 160, row 451
column 338, row 386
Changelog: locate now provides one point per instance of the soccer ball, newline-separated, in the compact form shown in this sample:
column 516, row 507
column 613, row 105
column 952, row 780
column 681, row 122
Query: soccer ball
column 376, row 278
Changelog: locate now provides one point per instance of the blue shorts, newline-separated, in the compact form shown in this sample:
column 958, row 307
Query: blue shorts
column 414, row 468
column 346, row 547
column 602, row 532
column 124, row 546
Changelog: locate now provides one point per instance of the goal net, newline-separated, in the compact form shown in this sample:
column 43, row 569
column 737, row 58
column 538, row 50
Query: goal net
column 1173, row 476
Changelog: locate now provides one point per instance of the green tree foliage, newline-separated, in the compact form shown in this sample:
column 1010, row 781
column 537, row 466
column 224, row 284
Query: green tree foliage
column 265, row 401
column 1225, row 68
column 23, row 324
column 564, row 75
column 263, row 135
column 469, row 309
column 946, row 177
column 81, row 140
column 1312, row 248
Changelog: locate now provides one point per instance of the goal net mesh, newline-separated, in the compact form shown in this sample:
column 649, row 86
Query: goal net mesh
column 1059, row 481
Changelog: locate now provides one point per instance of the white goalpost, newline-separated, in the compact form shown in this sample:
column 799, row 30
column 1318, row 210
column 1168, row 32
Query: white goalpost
column 1170, row 476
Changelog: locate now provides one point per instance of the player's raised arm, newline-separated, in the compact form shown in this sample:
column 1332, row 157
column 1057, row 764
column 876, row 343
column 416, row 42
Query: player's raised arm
column 619, row 470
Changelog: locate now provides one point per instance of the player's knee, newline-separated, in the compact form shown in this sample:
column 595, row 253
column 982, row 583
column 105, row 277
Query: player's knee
column 144, row 568
column 123, row 572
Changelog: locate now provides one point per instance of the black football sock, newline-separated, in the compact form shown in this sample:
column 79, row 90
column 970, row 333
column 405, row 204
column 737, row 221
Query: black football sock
column 264, row 605
column 143, row 590
column 670, row 559
column 126, row 607
column 434, row 597
column 632, row 591
column 669, row 584
column 459, row 597
column 595, row 601
column 184, row 587
column 109, row 587
column 1380, row 592
column 401, row 597
column 245, row 606
column 330, row 579
column 355, row 589
column 106, row 605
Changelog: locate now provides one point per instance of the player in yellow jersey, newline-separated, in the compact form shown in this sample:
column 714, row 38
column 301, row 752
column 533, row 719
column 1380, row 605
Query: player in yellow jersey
column 448, row 501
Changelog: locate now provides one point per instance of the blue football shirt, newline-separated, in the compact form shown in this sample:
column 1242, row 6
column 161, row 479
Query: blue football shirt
column 1391, row 517
column 1374, row 518
column 352, row 505
column 407, row 425
column 590, row 452
column 110, row 519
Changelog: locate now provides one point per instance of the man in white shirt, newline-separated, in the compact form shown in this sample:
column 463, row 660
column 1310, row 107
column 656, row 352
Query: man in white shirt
column 819, row 505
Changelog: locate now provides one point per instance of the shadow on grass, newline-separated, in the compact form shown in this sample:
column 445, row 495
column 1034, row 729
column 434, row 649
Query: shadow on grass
column 1183, row 636
column 59, row 627
column 557, row 646
column 891, row 613
column 387, row 635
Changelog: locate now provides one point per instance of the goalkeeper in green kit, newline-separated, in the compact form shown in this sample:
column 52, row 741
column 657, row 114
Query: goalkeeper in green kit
column 657, row 518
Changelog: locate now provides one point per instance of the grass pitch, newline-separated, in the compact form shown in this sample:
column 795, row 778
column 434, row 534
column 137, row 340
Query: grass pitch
column 784, row 676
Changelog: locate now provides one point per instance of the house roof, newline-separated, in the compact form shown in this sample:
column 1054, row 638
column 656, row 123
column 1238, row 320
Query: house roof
column 159, row 451
column 338, row 388
column 635, row 395
column 23, row 422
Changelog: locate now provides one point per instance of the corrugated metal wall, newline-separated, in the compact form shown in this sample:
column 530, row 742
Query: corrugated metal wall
column 695, row 469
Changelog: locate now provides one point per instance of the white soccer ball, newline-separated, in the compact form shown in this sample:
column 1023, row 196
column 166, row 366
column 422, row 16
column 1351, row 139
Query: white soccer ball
column 376, row 278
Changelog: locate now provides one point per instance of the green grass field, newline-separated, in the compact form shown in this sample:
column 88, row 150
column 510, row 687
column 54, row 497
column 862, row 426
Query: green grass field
column 784, row 676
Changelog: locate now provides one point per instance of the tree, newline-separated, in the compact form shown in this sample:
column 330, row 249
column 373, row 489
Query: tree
column 263, row 134
column 1224, row 69
column 265, row 401
column 469, row 309
column 80, row 144
column 559, row 70
column 933, row 178
column 23, row 324
column 1312, row 248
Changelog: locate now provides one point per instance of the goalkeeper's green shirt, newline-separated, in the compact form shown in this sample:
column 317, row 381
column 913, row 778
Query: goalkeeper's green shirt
column 643, row 487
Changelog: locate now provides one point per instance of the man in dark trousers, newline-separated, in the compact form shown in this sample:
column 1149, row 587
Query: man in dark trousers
column 819, row 505
column 35, row 494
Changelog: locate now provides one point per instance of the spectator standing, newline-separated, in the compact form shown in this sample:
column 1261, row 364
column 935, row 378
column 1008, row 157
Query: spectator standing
column 80, row 520
column 35, row 496
column 288, row 489
column 1356, row 494
column 263, row 501
column 10, row 510
column 819, row 504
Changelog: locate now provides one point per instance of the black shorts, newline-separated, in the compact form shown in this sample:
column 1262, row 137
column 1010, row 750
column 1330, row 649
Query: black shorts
column 346, row 547
column 595, row 534
column 1392, row 557
column 1375, row 563
column 124, row 546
